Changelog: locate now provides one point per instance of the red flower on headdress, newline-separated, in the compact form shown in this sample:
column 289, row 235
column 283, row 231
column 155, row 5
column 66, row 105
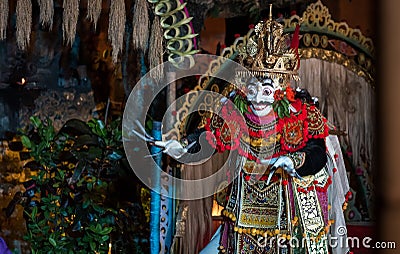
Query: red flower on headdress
column 279, row 95
column 290, row 94
column 251, row 26
column 237, row 35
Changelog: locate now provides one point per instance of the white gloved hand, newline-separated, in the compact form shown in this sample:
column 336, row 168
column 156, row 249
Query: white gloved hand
column 173, row 148
column 282, row 162
column 286, row 163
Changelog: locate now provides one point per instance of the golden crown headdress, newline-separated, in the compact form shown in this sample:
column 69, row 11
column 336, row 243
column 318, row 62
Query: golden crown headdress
column 267, row 53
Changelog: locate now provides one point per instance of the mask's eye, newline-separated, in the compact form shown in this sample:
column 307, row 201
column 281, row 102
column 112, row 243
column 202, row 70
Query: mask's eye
column 267, row 91
column 251, row 90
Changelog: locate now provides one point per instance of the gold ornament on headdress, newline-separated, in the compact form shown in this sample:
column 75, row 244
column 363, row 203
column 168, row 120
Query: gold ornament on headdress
column 267, row 53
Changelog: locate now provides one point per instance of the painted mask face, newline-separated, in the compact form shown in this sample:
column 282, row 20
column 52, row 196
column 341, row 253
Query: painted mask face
column 260, row 94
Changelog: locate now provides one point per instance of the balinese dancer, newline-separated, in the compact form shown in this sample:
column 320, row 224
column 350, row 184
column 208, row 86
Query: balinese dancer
column 282, row 200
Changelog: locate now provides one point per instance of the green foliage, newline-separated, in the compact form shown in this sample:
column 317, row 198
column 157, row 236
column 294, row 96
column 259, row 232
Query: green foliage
column 241, row 103
column 281, row 107
column 76, row 207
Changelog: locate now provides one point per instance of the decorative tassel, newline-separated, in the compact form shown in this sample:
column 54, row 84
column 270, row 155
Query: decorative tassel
column 24, row 22
column 156, row 49
column 295, row 40
column 140, row 34
column 3, row 18
column 46, row 13
column 94, row 11
column 116, row 27
column 70, row 20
